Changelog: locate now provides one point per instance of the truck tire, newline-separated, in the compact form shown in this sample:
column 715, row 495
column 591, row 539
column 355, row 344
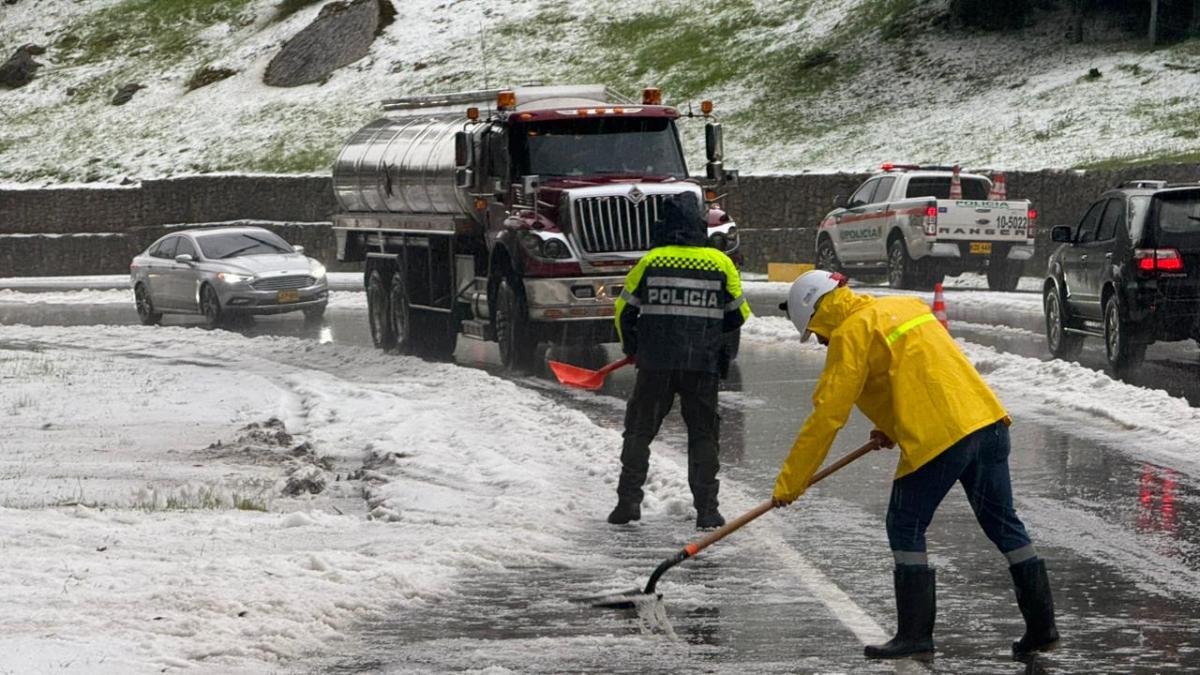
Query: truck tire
column 1063, row 344
column 1124, row 354
column 517, row 346
column 827, row 256
column 1003, row 275
column 379, row 311
column 405, row 332
column 901, row 272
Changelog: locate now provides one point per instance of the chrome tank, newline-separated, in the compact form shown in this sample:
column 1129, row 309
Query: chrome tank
column 402, row 165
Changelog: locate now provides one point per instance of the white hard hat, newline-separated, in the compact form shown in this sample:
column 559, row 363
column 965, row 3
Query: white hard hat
column 804, row 294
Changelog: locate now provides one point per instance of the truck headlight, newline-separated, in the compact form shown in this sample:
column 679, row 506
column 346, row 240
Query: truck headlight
column 555, row 248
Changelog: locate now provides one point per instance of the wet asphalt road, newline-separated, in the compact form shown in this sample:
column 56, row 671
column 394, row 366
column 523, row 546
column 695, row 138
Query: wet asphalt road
column 1120, row 535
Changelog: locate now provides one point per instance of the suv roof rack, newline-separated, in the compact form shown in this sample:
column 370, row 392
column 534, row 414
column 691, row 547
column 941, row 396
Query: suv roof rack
column 1151, row 184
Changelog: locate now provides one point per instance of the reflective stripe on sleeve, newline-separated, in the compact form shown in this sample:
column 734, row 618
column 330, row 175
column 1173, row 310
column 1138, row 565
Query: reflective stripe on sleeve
column 679, row 310
column 630, row 298
column 735, row 304
column 909, row 325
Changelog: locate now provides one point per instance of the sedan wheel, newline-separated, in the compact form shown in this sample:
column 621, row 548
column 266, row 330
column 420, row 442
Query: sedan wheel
column 210, row 307
column 145, row 308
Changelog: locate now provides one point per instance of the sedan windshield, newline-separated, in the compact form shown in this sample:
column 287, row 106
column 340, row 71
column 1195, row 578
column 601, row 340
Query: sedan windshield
column 642, row 146
column 230, row 244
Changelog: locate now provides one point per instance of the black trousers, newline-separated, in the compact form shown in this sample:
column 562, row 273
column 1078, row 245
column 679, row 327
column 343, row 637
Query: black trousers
column 653, row 395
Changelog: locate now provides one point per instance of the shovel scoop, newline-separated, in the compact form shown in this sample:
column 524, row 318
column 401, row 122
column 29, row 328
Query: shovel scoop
column 582, row 378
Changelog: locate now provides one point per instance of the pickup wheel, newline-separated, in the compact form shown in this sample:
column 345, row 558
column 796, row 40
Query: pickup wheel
column 1123, row 353
column 517, row 346
column 827, row 256
column 901, row 272
column 1062, row 344
column 379, row 311
column 1003, row 275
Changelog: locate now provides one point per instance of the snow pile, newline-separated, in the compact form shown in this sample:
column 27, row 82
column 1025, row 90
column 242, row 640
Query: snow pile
column 153, row 535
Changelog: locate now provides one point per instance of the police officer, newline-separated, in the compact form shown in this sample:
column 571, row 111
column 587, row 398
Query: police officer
column 893, row 359
column 676, row 307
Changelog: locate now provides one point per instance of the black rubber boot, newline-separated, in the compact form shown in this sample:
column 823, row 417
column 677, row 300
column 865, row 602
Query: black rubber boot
column 625, row 512
column 704, row 498
column 709, row 519
column 1032, row 585
column 916, row 607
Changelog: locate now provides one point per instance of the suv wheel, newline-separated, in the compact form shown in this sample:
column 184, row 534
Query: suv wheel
column 827, row 257
column 1062, row 344
column 900, row 266
column 1123, row 353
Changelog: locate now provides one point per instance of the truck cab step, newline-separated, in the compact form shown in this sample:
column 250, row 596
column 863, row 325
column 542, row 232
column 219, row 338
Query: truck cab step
column 478, row 330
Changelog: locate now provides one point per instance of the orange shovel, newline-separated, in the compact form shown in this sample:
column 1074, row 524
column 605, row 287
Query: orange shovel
column 582, row 378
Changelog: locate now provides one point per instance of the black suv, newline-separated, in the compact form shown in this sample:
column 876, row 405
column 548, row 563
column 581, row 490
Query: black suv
column 1129, row 272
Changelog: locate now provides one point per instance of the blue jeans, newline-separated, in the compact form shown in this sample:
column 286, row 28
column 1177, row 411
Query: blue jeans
column 980, row 462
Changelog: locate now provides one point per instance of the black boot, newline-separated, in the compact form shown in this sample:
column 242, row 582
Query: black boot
column 709, row 519
column 704, row 498
column 625, row 512
column 916, row 607
column 1032, row 585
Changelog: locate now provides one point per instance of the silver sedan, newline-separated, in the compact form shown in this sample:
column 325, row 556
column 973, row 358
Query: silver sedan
column 226, row 271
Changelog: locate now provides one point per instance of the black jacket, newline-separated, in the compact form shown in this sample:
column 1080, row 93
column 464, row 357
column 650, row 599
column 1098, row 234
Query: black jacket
column 682, row 297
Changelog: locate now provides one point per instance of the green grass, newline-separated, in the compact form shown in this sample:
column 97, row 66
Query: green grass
column 286, row 156
column 1135, row 161
column 165, row 29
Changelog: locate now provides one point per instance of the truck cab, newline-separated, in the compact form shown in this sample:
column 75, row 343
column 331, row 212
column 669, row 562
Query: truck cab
column 512, row 215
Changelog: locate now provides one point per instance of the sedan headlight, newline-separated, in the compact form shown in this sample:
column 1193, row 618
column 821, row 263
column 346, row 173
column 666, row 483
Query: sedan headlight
column 316, row 269
column 231, row 278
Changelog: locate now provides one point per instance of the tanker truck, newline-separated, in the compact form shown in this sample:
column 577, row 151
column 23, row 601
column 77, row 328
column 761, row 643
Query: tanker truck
column 513, row 215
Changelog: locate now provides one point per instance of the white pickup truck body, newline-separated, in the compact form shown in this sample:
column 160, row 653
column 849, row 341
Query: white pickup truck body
column 904, row 223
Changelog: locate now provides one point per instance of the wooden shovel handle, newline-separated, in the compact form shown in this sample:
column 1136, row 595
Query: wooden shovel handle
column 732, row 526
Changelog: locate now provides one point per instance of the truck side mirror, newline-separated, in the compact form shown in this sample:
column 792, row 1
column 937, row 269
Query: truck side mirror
column 1061, row 233
column 714, row 145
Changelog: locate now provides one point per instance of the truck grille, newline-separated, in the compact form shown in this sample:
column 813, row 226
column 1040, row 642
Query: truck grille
column 280, row 283
column 615, row 223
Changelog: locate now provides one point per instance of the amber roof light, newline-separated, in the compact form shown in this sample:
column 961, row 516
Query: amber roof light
column 652, row 96
column 506, row 100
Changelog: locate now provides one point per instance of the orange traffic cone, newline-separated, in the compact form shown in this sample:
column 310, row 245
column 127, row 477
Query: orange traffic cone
column 939, row 306
column 999, row 191
column 955, row 183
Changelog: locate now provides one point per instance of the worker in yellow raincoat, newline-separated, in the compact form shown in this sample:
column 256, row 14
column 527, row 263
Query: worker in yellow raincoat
column 891, row 358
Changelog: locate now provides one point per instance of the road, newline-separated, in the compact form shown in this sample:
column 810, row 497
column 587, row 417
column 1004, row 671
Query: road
column 799, row 590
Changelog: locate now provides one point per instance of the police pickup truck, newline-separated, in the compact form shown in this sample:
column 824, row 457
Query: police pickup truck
column 921, row 223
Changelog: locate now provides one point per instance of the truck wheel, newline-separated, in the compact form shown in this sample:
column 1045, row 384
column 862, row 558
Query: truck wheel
column 517, row 347
column 1003, row 275
column 1123, row 353
column 900, row 267
column 400, row 316
column 827, row 257
column 379, row 312
column 1062, row 344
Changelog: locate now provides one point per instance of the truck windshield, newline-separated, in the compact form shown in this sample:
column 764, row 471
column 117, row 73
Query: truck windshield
column 938, row 187
column 641, row 146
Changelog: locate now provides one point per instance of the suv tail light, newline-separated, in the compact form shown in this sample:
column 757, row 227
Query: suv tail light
column 1032, row 230
column 930, row 224
column 1158, row 260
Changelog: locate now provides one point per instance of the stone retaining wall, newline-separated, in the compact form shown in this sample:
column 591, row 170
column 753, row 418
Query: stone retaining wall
column 777, row 214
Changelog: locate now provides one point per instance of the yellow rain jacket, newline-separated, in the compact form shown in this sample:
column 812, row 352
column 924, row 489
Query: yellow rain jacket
column 893, row 359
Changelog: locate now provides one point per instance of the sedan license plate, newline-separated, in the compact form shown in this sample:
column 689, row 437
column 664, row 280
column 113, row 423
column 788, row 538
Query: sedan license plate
column 284, row 297
column 981, row 248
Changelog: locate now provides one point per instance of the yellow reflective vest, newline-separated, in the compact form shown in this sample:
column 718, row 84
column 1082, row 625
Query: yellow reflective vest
column 893, row 359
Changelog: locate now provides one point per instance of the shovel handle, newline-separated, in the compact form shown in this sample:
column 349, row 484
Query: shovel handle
column 729, row 528
column 614, row 365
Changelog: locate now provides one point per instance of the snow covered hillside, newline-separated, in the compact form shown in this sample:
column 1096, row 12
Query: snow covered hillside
column 803, row 84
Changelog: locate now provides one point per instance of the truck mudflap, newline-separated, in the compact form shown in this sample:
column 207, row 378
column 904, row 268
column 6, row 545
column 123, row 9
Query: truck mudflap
column 572, row 299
